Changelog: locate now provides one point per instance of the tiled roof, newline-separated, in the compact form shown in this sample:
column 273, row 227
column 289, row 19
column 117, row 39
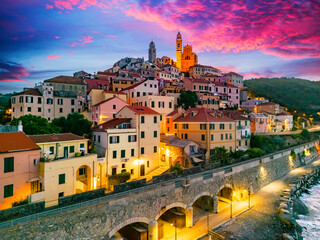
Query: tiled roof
column 66, row 80
column 114, row 92
column 107, row 73
column 134, row 74
column 172, row 113
column 233, row 73
column 202, row 115
column 55, row 137
column 110, row 124
column 15, row 142
column 236, row 115
column 142, row 110
column 174, row 141
column 30, row 91
column 196, row 80
column 107, row 100
column 284, row 114
column 134, row 85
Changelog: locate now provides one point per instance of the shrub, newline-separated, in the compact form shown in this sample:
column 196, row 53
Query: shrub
column 238, row 154
column 255, row 152
column 176, row 167
column 77, row 154
column 293, row 154
column 20, row 202
column 119, row 178
column 305, row 134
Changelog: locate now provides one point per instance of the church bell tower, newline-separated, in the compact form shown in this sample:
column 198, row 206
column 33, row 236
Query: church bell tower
column 152, row 52
column 179, row 50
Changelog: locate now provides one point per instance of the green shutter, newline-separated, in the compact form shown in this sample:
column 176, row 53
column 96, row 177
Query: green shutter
column 8, row 191
column 8, row 164
column 62, row 178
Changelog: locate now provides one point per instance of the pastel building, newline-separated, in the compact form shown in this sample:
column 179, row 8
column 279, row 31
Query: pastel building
column 198, row 70
column 259, row 122
column 286, row 121
column 208, row 128
column 19, row 168
column 130, row 142
column 106, row 109
column 269, row 107
column 234, row 79
column 66, row 167
column 98, row 95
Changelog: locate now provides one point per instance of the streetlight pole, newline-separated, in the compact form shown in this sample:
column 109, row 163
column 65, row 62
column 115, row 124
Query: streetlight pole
column 231, row 208
column 249, row 193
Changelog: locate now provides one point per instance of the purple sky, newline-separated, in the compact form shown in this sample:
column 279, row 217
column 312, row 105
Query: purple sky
column 44, row 38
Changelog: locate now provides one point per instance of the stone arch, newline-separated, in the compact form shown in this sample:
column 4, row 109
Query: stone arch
column 128, row 222
column 166, row 208
column 83, row 179
column 199, row 196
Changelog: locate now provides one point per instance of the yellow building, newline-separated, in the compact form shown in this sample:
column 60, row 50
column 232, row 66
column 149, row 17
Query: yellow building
column 208, row 128
column 186, row 58
column 66, row 168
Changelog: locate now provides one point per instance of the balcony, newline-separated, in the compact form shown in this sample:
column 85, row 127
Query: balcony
column 245, row 136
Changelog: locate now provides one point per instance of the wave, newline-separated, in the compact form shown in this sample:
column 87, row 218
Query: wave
column 311, row 222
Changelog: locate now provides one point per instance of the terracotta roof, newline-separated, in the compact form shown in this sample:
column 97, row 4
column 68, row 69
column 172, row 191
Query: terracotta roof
column 15, row 142
column 115, row 92
column 284, row 114
column 107, row 73
column 174, row 141
column 110, row 124
column 196, row 80
column 134, row 85
column 107, row 100
column 172, row 113
column 233, row 73
column 59, row 137
column 134, row 74
column 236, row 115
column 66, row 80
column 30, row 91
column 202, row 115
column 222, row 84
column 142, row 110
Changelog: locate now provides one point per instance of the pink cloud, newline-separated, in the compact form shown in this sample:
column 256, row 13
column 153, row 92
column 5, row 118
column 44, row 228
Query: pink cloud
column 81, row 42
column 56, row 37
column 13, row 72
column 49, row 6
column 63, row 5
column 104, row 35
column 50, row 57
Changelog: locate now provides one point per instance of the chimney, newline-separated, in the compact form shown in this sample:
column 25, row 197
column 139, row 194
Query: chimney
column 20, row 126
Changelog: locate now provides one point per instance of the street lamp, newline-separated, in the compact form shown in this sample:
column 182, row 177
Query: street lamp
column 175, row 229
column 249, row 193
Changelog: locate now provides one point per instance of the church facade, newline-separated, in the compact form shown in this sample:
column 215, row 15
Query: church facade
column 186, row 58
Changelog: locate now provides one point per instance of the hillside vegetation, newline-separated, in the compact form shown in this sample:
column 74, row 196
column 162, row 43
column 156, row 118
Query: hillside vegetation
column 293, row 93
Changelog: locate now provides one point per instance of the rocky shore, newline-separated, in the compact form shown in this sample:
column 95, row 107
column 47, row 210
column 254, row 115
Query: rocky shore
column 291, row 207
column 276, row 208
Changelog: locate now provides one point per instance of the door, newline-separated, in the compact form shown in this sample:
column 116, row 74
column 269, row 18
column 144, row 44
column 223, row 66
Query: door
column 65, row 152
column 142, row 170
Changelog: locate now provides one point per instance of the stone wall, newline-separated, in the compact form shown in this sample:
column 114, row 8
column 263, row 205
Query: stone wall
column 146, row 204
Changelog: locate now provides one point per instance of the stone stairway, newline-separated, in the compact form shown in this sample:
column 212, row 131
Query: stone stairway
column 156, row 172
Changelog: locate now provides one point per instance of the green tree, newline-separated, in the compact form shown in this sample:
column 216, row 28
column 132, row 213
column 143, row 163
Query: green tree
column 221, row 155
column 187, row 99
column 74, row 123
column 176, row 167
column 306, row 134
column 36, row 125
column 255, row 152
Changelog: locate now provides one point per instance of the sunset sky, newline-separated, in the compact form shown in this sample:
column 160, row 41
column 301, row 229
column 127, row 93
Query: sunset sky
column 41, row 39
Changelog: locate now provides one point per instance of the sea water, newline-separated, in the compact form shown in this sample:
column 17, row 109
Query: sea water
column 311, row 222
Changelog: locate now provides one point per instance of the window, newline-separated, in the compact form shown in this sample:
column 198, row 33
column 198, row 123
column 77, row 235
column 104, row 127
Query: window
column 8, row 191
column 29, row 109
column 50, row 101
column 132, row 138
column 13, row 100
column 72, row 101
column 155, row 119
column 81, row 145
column 123, row 165
column 212, row 137
column 60, row 101
column 21, row 99
column 230, row 136
column 185, row 136
column 35, row 162
column 155, row 134
column 148, row 164
column 152, row 104
column 203, row 126
column 72, row 110
column 246, row 142
column 239, row 143
column 185, row 126
column 82, row 171
column 98, row 138
column 245, row 123
column 230, row 126
column 132, row 152
column 203, row 137
column 175, row 126
column 155, row 149
column 160, row 117
column 61, row 194
column 123, row 153
column 39, row 109
column 60, row 110
column 142, row 150
column 138, row 94
column 71, row 150
column 212, row 126
column 29, row 99
column 132, row 171
column 142, row 119
column 170, row 104
column 226, row 136
column 114, row 171
column 114, row 154
column 114, row 139
column 8, row 164
column 114, row 106
column 221, row 136
column 39, row 100
column 62, row 178
column 222, row 126
column 51, row 149
column 20, row 109
column 142, row 134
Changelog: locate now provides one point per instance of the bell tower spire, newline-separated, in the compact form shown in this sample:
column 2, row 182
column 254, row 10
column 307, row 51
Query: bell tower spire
column 178, row 49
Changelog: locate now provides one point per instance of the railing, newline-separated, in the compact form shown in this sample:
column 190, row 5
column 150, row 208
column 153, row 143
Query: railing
column 194, row 172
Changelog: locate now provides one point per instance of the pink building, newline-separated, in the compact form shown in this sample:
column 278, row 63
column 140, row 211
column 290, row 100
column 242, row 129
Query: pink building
column 259, row 122
column 19, row 168
column 106, row 109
